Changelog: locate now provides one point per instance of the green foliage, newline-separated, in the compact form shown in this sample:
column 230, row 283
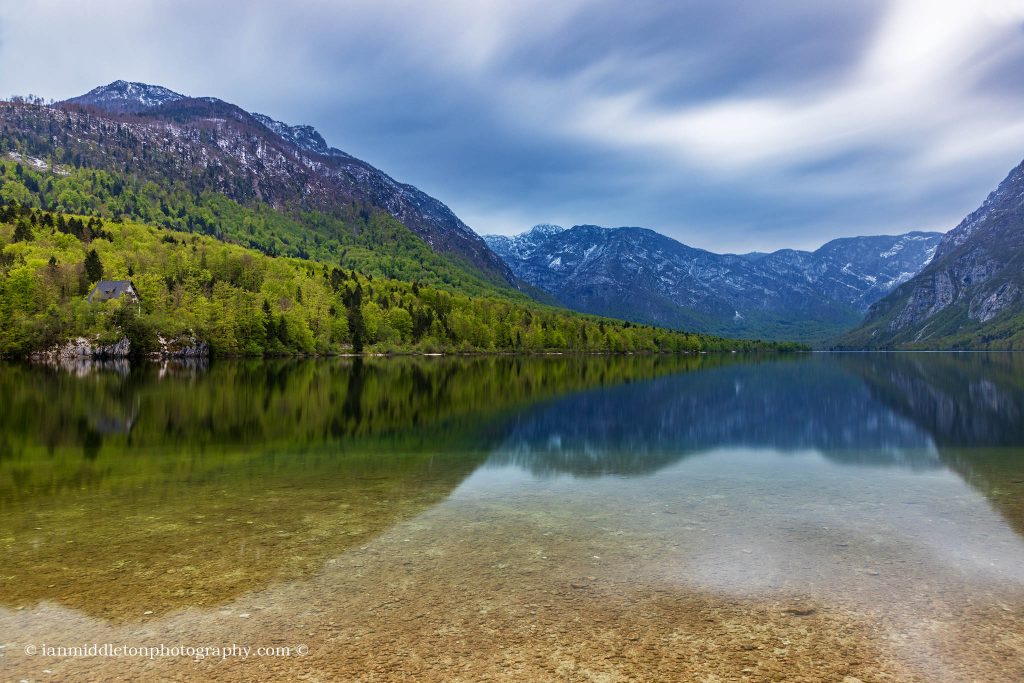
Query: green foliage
column 253, row 280
column 369, row 241
column 244, row 302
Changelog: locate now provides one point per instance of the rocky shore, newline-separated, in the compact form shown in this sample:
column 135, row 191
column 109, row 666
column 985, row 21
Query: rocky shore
column 181, row 347
column 83, row 348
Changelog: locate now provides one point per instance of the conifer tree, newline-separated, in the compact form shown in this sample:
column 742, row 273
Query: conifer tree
column 93, row 266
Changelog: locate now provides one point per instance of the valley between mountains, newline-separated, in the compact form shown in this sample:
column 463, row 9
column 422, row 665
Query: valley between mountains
column 256, row 236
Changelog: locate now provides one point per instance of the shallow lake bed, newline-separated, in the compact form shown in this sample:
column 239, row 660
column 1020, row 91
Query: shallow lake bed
column 823, row 517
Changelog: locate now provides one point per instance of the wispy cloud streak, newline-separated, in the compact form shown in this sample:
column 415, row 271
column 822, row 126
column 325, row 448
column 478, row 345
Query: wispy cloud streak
column 730, row 125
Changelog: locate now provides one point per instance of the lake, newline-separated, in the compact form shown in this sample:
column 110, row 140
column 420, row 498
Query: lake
column 819, row 517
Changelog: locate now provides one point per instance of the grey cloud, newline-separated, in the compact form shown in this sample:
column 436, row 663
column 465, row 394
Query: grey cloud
column 702, row 48
column 480, row 104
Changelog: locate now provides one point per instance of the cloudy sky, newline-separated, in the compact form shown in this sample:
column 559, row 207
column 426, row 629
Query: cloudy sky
column 729, row 125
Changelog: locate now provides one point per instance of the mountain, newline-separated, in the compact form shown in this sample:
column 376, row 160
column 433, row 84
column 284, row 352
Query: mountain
column 209, row 145
column 969, row 296
column 243, row 235
column 641, row 275
column 197, row 293
column 125, row 97
column 771, row 404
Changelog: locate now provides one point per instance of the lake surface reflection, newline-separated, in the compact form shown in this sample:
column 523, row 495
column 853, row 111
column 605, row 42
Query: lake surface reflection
column 570, row 518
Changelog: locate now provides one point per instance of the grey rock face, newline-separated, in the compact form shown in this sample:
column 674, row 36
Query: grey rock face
column 182, row 347
column 643, row 276
column 187, row 346
column 974, row 282
column 85, row 348
column 985, row 306
column 926, row 301
column 306, row 137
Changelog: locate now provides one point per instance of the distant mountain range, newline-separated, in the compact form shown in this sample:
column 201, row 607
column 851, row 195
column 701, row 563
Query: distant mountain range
column 970, row 295
column 917, row 290
column 243, row 235
column 641, row 275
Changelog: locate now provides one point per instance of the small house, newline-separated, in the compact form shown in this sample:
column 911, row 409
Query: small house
column 106, row 290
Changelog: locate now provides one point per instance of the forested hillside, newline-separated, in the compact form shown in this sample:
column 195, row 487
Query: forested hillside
column 242, row 301
column 254, row 237
column 363, row 238
column 198, row 146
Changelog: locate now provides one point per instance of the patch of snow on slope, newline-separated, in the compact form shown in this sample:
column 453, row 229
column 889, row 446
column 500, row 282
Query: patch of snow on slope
column 896, row 248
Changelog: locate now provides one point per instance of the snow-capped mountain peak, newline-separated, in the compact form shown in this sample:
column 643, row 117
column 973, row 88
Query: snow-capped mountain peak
column 127, row 97
column 526, row 243
column 546, row 229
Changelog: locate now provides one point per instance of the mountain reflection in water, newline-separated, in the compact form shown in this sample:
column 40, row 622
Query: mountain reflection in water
column 786, row 405
column 113, row 479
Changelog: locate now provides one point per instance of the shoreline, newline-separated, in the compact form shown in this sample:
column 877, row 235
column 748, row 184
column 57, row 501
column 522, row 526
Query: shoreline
column 43, row 359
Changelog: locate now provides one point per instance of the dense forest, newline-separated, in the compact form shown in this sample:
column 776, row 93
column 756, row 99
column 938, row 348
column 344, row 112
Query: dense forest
column 365, row 239
column 362, row 286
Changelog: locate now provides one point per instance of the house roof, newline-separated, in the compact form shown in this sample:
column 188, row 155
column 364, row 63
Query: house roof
column 111, row 289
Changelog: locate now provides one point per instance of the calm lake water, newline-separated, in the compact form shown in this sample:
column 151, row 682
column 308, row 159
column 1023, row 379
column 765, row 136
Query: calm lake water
column 716, row 518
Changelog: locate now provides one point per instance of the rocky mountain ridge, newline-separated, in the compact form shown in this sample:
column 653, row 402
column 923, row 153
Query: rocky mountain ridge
column 970, row 295
column 214, row 145
column 647, row 277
